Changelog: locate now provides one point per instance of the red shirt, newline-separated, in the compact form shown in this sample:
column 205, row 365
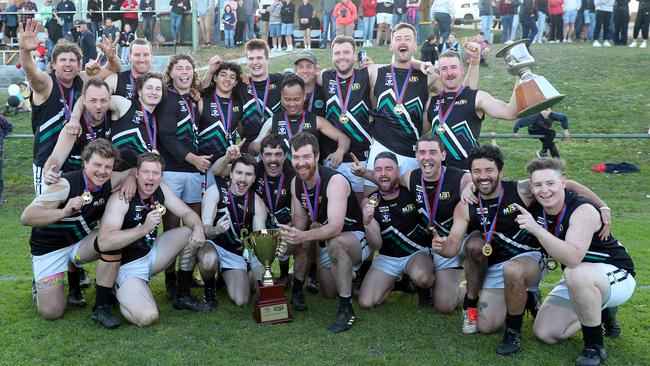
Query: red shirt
column 350, row 13
column 130, row 14
column 369, row 8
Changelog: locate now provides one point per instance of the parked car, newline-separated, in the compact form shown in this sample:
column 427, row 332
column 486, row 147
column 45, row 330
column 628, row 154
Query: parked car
column 466, row 11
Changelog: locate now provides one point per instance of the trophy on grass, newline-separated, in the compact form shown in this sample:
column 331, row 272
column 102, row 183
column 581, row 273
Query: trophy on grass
column 271, row 304
column 533, row 92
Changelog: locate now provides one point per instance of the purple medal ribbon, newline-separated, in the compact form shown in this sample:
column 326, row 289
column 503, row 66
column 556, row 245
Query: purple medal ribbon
column 152, row 129
column 344, row 103
column 310, row 106
column 234, row 208
column 300, row 127
column 488, row 236
column 261, row 108
column 436, row 199
column 67, row 104
column 87, row 183
column 267, row 189
column 313, row 209
column 442, row 118
column 226, row 120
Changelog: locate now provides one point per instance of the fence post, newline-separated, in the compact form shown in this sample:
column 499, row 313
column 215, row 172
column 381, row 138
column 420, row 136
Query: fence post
column 195, row 29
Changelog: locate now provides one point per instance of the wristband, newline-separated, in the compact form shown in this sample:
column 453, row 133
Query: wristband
column 604, row 208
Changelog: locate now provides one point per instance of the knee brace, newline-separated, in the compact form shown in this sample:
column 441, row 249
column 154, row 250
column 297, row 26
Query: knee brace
column 107, row 256
column 188, row 259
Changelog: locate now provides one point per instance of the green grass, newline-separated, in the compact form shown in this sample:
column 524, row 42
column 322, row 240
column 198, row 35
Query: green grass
column 606, row 93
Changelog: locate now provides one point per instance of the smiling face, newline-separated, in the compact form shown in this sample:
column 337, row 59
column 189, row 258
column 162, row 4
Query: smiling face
column 386, row 174
column 305, row 162
column 451, row 72
column 306, row 70
column 548, row 187
column 225, row 81
column 273, row 160
column 151, row 92
column 149, row 176
column 96, row 102
column 403, row 44
column 182, row 75
column 98, row 169
column 486, row 176
column 66, row 66
column 293, row 99
column 430, row 158
column 343, row 57
column 140, row 57
column 242, row 177
column 258, row 63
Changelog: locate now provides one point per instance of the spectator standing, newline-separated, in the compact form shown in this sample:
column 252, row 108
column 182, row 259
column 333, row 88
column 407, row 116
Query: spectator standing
column 113, row 8
column 87, row 42
column 179, row 7
column 569, row 18
column 287, row 15
column 528, row 20
column 507, row 12
column 604, row 10
column 5, row 129
column 305, row 11
column 641, row 23
column 442, row 12
column 384, row 20
column 148, row 8
column 621, row 20
column 94, row 8
column 413, row 15
column 229, row 19
column 275, row 24
column 45, row 12
column 399, row 11
column 589, row 15
column 264, row 23
column 203, row 8
column 54, row 29
column 345, row 13
column 66, row 11
column 129, row 14
column 369, row 11
column 515, row 23
column 27, row 10
column 127, row 36
column 329, row 23
column 12, row 21
column 250, row 8
column 555, row 11
column 487, row 17
column 542, row 124
column 240, row 27
column 542, row 13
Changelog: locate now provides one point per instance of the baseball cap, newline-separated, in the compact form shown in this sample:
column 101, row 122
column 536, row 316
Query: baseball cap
column 79, row 22
column 305, row 55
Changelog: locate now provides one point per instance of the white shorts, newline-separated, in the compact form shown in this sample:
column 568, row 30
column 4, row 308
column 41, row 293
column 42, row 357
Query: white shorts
column 324, row 260
column 55, row 262
column 385, row 18
column 140, row 268
column 494, row 277
column 189, row 187
column 621, row 286
column 405, row 163
column 229, row 260
column 355, row 181
column 39, row 182
column 395, row 266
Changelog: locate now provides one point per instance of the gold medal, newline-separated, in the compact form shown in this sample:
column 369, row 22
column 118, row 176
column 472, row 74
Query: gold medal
column 399, row 109
column 551, row 264
column 315, row 225
column 343, row 118
column 86, row 197
column 487, row 249
column 440, row 130
column 373, row 201
column 162, row 210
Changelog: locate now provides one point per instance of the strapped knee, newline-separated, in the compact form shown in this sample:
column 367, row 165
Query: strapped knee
column 109, row 256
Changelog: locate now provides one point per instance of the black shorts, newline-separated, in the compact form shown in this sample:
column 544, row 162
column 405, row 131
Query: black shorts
column 305, row 26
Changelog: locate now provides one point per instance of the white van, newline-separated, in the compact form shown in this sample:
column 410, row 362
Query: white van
column 466, row 11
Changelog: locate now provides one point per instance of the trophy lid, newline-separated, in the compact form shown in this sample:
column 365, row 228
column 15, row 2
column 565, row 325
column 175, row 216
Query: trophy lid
column 505, row 50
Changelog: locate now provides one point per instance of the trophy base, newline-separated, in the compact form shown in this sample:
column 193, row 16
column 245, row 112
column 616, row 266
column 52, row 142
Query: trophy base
column 535, row 95
column 271, row 305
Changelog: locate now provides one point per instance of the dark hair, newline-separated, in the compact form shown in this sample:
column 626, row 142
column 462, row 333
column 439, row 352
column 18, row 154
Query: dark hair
column 257, row 44
column 101, row 147
column 139, row 42
column 139, row 83
column 149, row 157
column 232, row 67
column 272, row 141
column 431, row 137
column 97, row 84
column 245, row 159
column 303, row 139
column 489, row 152
column 545, row 163
column 386, row 155
column 481, row 33
column 293, row 80
column 65, row 46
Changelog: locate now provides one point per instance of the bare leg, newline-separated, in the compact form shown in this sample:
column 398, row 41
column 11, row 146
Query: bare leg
column 375, row 288
column 50, row 298
column 447, row 290
column 237, row 282
column 555, row 321
column 137, row 303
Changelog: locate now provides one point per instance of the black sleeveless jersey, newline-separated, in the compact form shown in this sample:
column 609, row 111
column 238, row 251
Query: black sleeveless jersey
column 214, row 136
column 126, row 85
column 353, row 219
column 178, row 120
column 49, row 117
column 136, row 216
column 230, row 240
column 609, row 251
column 315, row 102
column 277, row 198
column 255, row 111
column 448, row 198
column 293, row 126
column 403, row 232
column 462, row 126
column 358, row 110
column 509, row 240
column 399, row 132
column 73, row 161
column 70, row 230
column 130, row 135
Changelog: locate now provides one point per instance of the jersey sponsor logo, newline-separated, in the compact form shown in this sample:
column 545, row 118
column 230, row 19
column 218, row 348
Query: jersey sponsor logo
column 445, row 195
column 385, row 217
column 282, row 130
column 408, row 208
column 307, row 125
column 213, row 110
column 99, row 202
column 356, row 86
column 509, row 209
column 319, row 103
column 235, row 109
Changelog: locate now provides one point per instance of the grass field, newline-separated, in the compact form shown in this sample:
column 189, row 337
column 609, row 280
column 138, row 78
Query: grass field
column 607, row 92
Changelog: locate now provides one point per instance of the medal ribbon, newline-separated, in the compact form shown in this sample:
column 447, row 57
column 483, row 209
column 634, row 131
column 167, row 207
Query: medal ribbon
column 442, row 118
column 67, row 104
column 300, row 127
column 493, row 226
column 132, row 80
column 152, row 129
column 433, row 210
column 87, row 183
column 147, row 206
column 558, row 224
column 344, row 103
column 234, row 208
column 226, row 120
column 272, row 206
column 89, row 127
column 313, row 210
column 310, row 106
column 266, row 95
column 400, row 96
column 189, row 105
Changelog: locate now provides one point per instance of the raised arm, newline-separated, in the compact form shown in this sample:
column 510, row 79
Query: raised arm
column 61, row 151
column 44, row 209
column 495, row 108
column 39, row 81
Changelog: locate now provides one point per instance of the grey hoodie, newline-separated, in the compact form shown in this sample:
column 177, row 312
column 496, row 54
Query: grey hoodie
column 274, row 12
